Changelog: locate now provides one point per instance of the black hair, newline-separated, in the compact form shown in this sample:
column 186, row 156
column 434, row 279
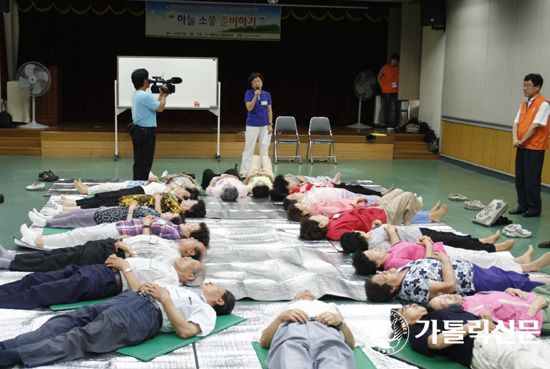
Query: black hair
column 179, row 219
column 276, row 196
column 394, row 56
column 353, row 241
column 227, row 307
column 310, row 230
column 198, row 253
column 287, row 202
column 294, row 214
column 279, row 185
column 229, row 194
column 253, row 76
column 138, row 76
column 193, row 192
column 535, row 78
column 363, row 265
column 378, row 293
column 260, row 191
column 197, row 211
column 202, row 235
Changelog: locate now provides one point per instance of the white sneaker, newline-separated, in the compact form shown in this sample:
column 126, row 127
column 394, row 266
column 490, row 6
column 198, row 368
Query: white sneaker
column 518, row 233
column 35, row 219
column 36, row 187
column 474, row 205
column 164, row 174
column 28, row 236
column 45, row 217
column 50, row 211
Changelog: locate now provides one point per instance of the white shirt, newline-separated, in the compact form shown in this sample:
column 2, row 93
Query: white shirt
column 541, row 118
column 149, row 270
column 154, row 187
column 190, row 302
column 153, row 247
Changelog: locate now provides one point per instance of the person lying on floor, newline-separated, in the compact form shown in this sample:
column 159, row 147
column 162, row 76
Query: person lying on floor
column 378, row 238
column 421, row 280
column 90, row 217
column 369, row 261
column 509, row 307
column 260, row 177
column 393, row 208
column 330, row 207
column 473, row 341
column 284, row 186
column 146, row 226
column 227, row 187
column 125, row 320
column 161, row 202
column 182, row 180
column 93, row 282
column 320, row 194
column 96, row 252
column 308, row 333
column 153, row 185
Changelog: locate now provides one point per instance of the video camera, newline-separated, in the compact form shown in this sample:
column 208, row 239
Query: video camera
column 170, row 88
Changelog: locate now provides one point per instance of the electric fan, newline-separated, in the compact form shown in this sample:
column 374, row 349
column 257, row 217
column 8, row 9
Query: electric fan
column 35, row 80
column 364, row 86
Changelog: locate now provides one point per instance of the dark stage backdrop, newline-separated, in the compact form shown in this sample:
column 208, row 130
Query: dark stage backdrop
column 310, row 72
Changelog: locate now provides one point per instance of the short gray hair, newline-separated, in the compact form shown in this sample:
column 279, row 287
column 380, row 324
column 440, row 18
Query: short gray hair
column 229, row 194
column 200, row 275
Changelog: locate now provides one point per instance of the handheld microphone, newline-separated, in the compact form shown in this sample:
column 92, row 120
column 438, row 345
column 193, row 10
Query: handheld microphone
column 260, row 94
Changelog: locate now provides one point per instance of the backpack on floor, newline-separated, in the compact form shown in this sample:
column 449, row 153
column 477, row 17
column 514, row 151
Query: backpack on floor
column 491, row 213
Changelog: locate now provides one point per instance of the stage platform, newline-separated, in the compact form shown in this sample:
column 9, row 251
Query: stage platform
column 196, row 141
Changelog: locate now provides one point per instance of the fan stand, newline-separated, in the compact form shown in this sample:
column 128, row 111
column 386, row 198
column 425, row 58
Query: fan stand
column 33, row 124
column 359, row 125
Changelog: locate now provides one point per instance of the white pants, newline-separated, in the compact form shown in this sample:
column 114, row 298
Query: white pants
column 257, row 165
column 80, row 236
column 504, row 260
column 503, row 350
column 107, row 187
column 251, row 135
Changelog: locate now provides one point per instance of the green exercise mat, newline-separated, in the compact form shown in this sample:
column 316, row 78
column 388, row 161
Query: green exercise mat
column 408, row 355
column 362, row 361
column 76, row 305
column 163, row 343
column 48, row 230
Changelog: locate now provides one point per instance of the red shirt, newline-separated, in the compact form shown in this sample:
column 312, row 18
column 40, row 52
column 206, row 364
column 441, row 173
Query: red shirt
column 306, row 186
column 359, row 219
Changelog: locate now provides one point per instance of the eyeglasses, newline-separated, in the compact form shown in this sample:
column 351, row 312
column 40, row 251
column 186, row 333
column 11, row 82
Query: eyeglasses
column 528, row 86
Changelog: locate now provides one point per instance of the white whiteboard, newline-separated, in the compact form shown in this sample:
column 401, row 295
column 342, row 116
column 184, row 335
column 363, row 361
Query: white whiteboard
column 200, row 80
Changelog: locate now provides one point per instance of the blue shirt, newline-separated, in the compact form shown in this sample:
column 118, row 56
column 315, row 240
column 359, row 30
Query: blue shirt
column 257, row 117
column 144, row 105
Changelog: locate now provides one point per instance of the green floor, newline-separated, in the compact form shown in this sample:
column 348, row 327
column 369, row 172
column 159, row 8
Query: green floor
column 432, row 179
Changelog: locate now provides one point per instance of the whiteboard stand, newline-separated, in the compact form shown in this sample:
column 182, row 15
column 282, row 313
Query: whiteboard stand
column 214, row 110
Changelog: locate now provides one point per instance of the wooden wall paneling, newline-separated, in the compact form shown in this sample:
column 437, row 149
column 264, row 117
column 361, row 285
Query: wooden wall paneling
column 503, row 150
column 478, row 139
column 546, row 172
column 490, row 148
column 465, row 142
column 512, row 161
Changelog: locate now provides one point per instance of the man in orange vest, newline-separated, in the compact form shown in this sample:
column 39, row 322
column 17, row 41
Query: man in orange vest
column 530, row 137
column 388, row 78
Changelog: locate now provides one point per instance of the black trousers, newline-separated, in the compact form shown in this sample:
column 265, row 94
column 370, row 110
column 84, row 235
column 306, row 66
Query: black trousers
column 454, row 240
column 388, row 99
column 144, row 140
column 93, row 252
column 528, row 179
column 357, row 189
column 108, row 198
column 208, row 174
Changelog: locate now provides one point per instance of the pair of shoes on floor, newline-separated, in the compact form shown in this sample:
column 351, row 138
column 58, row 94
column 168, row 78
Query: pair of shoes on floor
column 516, row 211
column 36, row 187
column 36, row 219
column 474, row 205
column 502, row 221
column 515, row 231
column 48, row 176
column 457, row 197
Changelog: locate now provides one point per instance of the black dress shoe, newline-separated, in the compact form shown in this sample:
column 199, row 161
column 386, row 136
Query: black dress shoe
column 544, row 245
column 516, row 211
column 528, row 214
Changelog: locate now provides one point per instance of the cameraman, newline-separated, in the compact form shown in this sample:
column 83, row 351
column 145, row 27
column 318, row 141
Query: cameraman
column 144, row 115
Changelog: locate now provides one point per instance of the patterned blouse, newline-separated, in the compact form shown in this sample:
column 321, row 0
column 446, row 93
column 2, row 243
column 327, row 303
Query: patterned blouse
column 180, row 181
column 120, row 213
column 168, row 204
column 379, row 238
column 415, row 286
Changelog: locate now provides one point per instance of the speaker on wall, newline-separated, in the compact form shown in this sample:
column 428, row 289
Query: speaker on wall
column 433, row 13
column 5, row 6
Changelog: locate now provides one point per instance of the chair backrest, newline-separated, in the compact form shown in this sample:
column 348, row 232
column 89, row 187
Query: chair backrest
column 285, row 124
column 319, row 124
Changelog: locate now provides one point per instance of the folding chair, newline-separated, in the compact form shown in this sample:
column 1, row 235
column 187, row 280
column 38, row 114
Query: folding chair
column 286, row 124
column 320, row 125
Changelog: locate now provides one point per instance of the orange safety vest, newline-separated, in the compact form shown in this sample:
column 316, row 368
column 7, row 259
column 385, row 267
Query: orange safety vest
column 391, row 74
column 539, row 141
